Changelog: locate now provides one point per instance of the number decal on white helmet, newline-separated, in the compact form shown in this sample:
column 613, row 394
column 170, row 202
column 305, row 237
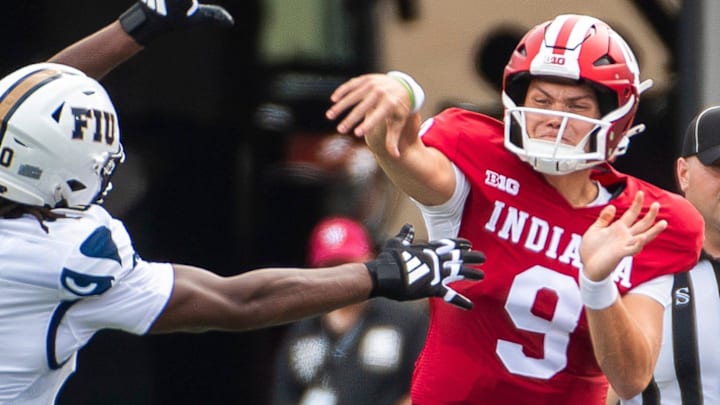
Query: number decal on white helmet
column 6, row 156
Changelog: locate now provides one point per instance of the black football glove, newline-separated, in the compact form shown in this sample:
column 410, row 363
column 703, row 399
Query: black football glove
column 405, row 271
column 148, row 19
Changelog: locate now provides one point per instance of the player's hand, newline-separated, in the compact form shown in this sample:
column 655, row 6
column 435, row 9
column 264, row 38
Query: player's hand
column 148, row 19
column 376, row 106
column 405, row 271
column 608, row 240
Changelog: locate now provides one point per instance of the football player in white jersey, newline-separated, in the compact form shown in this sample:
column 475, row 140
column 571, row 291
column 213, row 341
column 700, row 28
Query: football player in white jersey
column 688, row 368
column 68, row 269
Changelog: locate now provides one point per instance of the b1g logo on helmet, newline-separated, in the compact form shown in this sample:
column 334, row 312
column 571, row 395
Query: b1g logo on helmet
column 97, row 124
column 555, row 60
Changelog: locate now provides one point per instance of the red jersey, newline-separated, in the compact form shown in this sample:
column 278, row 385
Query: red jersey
column 527, row 338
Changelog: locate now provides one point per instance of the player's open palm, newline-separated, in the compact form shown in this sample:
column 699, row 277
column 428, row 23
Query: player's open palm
column 608, row 240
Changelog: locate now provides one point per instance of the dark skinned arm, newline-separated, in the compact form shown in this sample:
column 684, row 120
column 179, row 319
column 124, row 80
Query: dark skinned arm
column 202, row 300
column 100, row 52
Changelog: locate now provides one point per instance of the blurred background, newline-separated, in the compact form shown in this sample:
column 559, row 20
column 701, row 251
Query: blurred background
column 231, row 161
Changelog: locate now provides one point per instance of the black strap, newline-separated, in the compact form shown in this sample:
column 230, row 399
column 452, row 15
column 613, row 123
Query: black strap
column 651, row 395
column 685, row 343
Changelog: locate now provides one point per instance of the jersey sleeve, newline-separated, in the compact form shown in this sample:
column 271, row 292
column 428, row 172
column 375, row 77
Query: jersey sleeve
column 106, row 274
column 94, row 265
column 459, row 134
column 658, row 289
column 462, row 135
column 131, row 305
column 443, row 221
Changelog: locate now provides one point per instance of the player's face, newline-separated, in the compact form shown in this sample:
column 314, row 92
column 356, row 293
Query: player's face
column 572, row 98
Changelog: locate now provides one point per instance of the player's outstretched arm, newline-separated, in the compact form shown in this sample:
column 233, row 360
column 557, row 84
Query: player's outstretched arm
column 626, row 332
column 102, row 51
column 260, row 298
column 382, row 108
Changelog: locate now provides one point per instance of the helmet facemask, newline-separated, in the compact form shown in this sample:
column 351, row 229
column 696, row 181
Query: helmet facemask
column 105, row 171
column 556, row 157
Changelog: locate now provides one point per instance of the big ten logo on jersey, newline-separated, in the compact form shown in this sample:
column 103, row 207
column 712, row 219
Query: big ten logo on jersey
column 93, row 124
column 501, row 182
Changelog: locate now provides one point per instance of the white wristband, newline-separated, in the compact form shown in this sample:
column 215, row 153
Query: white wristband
column 417, row 94
column 597, row 294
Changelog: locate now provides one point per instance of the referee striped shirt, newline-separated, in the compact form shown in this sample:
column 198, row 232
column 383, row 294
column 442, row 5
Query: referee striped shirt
column 688, row 368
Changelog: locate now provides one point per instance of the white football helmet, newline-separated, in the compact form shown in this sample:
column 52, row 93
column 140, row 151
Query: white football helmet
column 59, row 137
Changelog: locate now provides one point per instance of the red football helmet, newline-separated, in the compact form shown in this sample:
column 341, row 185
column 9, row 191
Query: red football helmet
column 579, row 48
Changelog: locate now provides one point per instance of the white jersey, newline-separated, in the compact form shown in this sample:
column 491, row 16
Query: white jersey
column 688, row 368
column 59, row 288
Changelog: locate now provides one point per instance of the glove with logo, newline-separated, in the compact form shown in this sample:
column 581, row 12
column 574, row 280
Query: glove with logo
column 405, row 271
column 148, row 19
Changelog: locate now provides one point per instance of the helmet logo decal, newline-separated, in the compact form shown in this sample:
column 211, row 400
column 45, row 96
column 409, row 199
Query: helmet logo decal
column 32, row 172
column 555, row 60
column 103, row 129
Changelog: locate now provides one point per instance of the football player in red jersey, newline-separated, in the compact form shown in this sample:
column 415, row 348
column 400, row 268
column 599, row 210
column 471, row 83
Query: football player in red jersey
column 555, row 319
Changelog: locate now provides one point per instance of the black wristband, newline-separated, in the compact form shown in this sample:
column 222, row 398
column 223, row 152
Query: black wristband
column 134, row 22
column 386, row 275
